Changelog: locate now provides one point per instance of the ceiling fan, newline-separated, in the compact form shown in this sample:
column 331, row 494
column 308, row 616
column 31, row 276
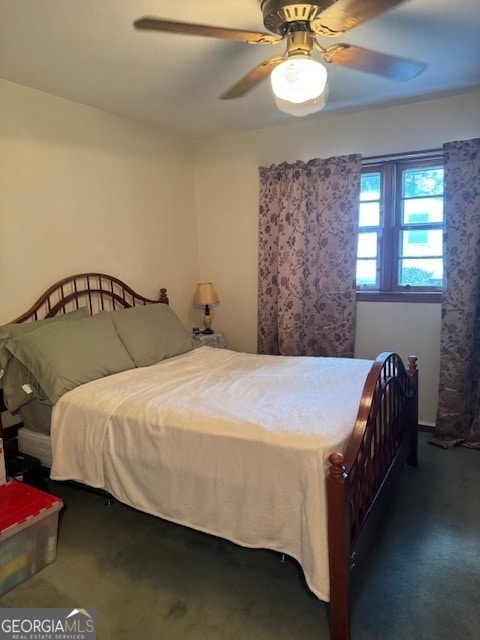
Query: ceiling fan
column 299, row 24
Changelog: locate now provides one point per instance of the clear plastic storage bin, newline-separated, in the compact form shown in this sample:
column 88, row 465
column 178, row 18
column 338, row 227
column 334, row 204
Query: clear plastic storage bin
column 28, row 532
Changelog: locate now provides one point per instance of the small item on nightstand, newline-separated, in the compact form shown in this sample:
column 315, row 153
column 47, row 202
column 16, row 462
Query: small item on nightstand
column 214, row 339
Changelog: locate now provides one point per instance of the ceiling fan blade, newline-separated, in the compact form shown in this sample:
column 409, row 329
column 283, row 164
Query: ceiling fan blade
column 187, row 28
column 343, row 15
column 374, row 62
column 253, row 77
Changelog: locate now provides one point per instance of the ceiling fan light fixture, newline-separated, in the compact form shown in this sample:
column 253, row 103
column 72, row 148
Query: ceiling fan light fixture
column 299, row 79
column 301, row 109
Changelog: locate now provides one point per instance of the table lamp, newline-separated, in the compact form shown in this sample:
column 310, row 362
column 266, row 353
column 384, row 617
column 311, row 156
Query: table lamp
column 205, row 295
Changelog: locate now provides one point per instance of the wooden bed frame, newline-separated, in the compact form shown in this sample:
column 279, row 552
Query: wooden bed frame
column 383, row 440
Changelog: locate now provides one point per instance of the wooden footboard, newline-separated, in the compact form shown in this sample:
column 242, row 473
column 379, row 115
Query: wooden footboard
column 384, row 439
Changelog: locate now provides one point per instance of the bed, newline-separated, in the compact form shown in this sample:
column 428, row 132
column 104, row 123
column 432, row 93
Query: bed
column 113, row 394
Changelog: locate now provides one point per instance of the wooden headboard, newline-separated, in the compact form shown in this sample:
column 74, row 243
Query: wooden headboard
column 97, row 291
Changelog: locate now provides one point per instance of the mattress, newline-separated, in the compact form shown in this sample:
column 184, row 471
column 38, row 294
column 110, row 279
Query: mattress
column 232, row 444
column 36, row 444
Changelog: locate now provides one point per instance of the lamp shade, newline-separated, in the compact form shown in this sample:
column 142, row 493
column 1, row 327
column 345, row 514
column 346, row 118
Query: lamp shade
column 298, row 79
column 205, row 294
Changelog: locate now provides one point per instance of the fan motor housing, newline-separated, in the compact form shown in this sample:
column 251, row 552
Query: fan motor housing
column 279, row 14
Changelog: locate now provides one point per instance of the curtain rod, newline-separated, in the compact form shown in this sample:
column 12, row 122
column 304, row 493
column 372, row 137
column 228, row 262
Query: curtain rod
column 409, row 155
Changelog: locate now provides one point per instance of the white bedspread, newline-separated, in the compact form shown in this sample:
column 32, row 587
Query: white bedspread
column 228, row 443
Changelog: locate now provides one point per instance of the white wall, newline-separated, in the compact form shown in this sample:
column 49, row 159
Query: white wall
column 83, row 190
column 408, row 329
column 226, row 192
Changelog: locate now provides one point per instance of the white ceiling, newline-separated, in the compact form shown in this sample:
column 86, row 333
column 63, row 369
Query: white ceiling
column 88, row 51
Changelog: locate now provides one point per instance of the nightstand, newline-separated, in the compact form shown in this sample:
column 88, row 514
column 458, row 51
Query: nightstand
column 215, row 339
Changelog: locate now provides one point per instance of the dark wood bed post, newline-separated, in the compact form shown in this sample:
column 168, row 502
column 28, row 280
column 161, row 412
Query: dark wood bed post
column 162, row 296
column 339, row 553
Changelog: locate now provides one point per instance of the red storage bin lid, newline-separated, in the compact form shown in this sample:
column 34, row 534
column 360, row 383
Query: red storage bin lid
column 20, row 502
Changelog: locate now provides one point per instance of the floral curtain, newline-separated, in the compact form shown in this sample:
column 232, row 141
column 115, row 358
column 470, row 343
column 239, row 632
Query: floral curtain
column 458, row 417
column 307, row 257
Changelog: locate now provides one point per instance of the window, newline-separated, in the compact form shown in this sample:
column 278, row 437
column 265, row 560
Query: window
column 401, row 226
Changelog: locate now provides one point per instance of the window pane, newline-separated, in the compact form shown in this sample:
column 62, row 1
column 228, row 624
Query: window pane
column 421, row 242
column 370, row 186
column 367, row 273
column 423, row 182
column 423, row 210
column 401, row 223
column 367, row 245
column 421, row 272
column 369, row 214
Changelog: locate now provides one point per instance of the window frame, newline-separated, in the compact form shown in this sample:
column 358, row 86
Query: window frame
column 391, row 169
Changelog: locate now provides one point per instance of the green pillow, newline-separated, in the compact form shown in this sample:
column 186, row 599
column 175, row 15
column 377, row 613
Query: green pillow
column 14, row 374
column 151, row 333
column 64, row 355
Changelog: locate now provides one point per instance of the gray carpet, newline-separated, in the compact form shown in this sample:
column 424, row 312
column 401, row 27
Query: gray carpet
column 154, row 580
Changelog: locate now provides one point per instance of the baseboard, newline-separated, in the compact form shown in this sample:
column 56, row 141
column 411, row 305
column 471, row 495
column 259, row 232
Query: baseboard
column 426, row 428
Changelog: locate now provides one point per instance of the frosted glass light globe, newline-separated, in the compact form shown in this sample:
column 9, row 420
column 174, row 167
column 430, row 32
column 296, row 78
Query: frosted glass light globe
column 298, row 79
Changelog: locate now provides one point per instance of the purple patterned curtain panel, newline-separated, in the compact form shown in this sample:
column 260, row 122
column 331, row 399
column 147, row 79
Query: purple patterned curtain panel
column 458, row 417
column 307, row 257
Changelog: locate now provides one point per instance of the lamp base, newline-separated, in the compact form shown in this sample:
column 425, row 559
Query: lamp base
column 207, row 330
